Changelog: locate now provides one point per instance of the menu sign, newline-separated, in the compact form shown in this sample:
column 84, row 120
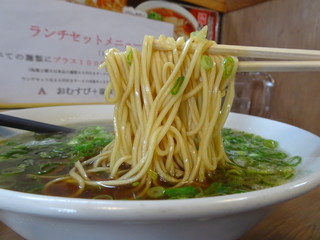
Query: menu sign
column 50, row 50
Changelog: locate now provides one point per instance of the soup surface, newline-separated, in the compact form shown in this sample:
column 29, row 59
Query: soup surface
column 29, row 161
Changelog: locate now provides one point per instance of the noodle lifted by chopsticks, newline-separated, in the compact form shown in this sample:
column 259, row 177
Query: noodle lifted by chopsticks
column 170, row 107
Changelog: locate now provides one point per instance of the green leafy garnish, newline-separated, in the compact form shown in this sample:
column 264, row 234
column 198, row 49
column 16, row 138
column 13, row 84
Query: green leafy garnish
column 156, row 192
column 294, row 161
column 14, row 152
column 134, row 184
column 43, row 154
column 257, row 161
column 152, row 174
column 129, row 57
column 181, row 192
column 155, row 16
column 89, row 142
column 228, row 65
column 206, row 62
column 177, row 85
column 12, row 170
column 201, row 34
column 254, row 163
column 48, row 167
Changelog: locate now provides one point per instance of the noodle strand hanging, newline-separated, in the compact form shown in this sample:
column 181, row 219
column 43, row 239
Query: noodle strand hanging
column 170, row 107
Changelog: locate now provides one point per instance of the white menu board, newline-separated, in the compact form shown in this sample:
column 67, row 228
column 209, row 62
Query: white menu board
column 50, row 50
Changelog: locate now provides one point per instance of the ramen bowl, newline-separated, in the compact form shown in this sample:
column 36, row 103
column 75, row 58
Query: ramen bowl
column 38, row 217
column 184, row 22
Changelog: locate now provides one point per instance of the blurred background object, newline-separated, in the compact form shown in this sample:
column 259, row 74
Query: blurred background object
column 186, row 18
column 253, row 92
column 225, row 5
column 57, row 63
column 283, row 24
column 111, row 5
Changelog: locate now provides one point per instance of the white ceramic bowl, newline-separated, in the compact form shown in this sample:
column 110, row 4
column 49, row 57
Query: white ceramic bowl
column 37, row 217
column 149, row 5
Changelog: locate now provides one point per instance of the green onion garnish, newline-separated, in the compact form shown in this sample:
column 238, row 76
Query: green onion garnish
column 156, row 192
column 11, row 171
column 206, row 62
column 177, row 85
column 129, row 57
column 181, row 192
column 196, row 33
column 153, row 174
column 270, row 143
column 294, row 161
column 48, row 167
column 134, row 184
column 228, row 65
column 155, row 16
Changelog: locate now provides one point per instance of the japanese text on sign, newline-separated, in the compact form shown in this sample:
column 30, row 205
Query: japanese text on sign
column 47, row 59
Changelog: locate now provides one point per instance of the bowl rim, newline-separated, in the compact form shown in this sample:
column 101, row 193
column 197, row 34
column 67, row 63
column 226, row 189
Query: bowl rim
column 64, row 207
column 79, row 208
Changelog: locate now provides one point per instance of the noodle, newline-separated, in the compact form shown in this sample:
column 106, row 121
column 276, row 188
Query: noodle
column 168, row 115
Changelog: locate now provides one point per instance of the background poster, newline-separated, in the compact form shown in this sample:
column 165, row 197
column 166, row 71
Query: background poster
column 50, row 50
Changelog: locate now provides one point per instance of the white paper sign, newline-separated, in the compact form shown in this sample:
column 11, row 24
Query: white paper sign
column 50, row 50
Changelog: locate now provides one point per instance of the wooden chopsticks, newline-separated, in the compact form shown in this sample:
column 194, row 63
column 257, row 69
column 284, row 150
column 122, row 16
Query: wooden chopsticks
column 279, row 66
column 296, row 60
column 265, row 52
column 309, row 59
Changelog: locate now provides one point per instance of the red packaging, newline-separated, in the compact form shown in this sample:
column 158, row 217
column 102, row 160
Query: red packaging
column 206, row 17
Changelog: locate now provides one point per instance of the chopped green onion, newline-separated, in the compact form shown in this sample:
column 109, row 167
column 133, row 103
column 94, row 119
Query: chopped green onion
column 197, row 33
column 36, row 188
column 135, row 184
column 102, row 65
column 228, row 65
column 152, row 174
column 206, row 62
column 294, row 161
column 261, row 170
column 12, row 171
column 182, row 192
column 129, row 57
column 213, row 188
column 177, row 85
column 48, row 167
column 156, row 192
column 278, row 155
column 235, row 171
column 155, row 16
column 89, row 141
column 15, row 152
column 270, row 143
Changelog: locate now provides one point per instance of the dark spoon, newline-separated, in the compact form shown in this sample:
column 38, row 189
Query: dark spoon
column 30, row 125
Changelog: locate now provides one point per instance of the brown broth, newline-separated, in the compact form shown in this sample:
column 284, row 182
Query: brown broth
column 29, row 170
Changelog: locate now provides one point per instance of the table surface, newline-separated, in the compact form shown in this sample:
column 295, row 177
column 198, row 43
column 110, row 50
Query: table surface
column 297, row 219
